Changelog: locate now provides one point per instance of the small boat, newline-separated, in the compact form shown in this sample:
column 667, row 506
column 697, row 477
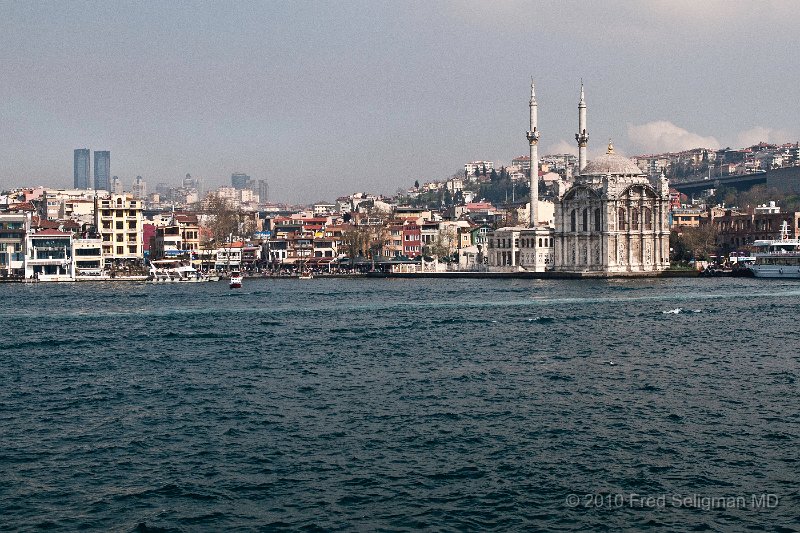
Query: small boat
column 306, row 276
column 236, row 280
column 778, row 258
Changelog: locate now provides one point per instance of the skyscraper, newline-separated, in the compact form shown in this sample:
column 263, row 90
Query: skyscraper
column 139, row 188
column 102, row 170
column 239, row 180
column 116, row 185
column 263, row 191
column 81, row 168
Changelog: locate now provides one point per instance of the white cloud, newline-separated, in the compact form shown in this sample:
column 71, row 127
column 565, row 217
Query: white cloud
column 664, row 136
column 561, row 147
column 759, row 134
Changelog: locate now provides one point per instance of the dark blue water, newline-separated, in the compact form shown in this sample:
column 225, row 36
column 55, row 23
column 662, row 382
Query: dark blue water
column 400, row 404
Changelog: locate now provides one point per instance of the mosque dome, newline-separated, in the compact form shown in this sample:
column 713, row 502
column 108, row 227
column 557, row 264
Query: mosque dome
column 611, row 163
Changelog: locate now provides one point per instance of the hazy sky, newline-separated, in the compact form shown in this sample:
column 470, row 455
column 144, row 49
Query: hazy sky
column 328, row 98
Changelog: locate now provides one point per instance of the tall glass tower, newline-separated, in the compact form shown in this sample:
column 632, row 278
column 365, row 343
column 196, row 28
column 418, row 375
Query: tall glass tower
column 81, row 169
column 102, row 170
column 239, row 180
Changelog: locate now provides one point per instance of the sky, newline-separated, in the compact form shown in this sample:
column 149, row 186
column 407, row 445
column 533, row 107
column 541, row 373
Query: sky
column 326, row 98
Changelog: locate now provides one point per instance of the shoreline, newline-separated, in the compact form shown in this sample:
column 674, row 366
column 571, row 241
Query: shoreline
column 419, row 275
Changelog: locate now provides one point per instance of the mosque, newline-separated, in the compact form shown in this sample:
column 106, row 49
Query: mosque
column 609, row 219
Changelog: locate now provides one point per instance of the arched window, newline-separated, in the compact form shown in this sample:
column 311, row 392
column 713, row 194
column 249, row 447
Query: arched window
column 598, row 225
column 621, row 219
column 572, row 221
column 634, row 219
column 585, row 221
column 648, row 219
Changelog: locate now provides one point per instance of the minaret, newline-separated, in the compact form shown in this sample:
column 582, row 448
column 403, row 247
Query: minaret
column 582, row 137
column 533, row 140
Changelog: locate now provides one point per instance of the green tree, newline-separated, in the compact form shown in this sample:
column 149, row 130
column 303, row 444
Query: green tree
column 416, row 184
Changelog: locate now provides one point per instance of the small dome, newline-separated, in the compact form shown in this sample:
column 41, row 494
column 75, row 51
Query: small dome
column 610, row 163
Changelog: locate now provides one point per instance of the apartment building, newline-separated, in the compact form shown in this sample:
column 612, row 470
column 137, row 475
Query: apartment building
column 119, row 221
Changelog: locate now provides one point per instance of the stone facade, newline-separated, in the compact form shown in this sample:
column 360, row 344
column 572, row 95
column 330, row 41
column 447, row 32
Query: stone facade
column 517, row 249
column 612, row 220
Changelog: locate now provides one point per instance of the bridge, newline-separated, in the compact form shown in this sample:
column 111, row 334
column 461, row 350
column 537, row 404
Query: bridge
column 784, row 180
column 741, row 183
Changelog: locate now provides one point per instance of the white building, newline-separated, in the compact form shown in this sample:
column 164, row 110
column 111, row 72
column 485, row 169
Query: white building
column 612, row 219
column 14, row 228
column 324, row 209
column 49, row 256
column 88, row 257
column 476, row 167
column 519, row 248
column 52, row 203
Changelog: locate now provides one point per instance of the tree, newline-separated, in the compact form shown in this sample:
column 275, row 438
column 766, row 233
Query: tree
column 700, row 242
column 442, row 246
column 222, row 220
column 367, row 234
column 484, row 169
column 416, row 184
column 493, row 176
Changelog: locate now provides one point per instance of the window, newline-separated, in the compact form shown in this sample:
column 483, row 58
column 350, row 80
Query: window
column 634, row 219
column 598, row 223
column 572, row 221
column 621, row 218
column 648, row 218
column 585, row 221
column 119, row 224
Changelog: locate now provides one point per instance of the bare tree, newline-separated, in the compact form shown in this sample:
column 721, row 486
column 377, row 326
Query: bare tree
column 222, row 219
column 700, row 241
column 367, row 234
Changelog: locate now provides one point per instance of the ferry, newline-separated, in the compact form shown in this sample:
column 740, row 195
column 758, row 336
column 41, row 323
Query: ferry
column 778, row 258
column 236, row 280
column 172, row 271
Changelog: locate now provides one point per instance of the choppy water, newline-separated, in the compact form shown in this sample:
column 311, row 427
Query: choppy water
column 399, row 404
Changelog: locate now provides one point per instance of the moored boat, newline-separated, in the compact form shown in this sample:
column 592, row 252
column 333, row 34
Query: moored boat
column 778, row 258
column 172, row 271
column 236, row 280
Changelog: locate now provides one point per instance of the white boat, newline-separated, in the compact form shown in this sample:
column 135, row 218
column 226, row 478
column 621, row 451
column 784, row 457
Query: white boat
column 778, row 258
column 173, row 271
column 236, row 280
column 306, row 276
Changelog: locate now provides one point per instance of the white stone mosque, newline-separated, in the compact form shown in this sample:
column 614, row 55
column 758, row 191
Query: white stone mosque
column 610, row 219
